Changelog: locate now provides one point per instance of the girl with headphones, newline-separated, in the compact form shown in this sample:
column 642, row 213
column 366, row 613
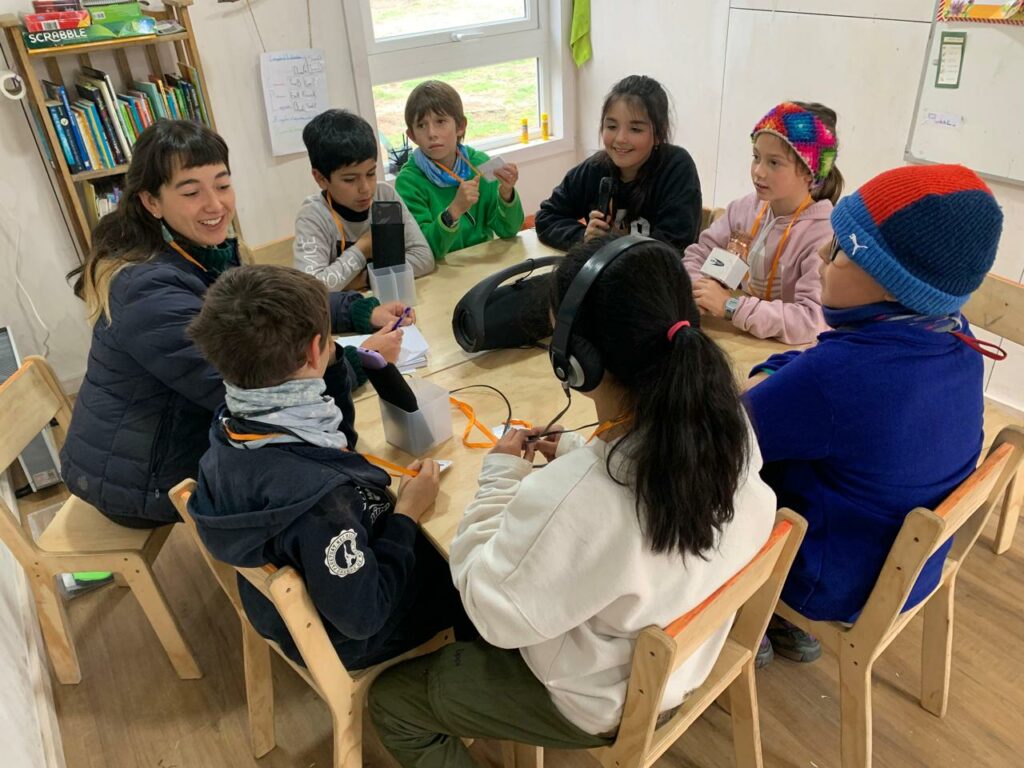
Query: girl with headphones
column 561, row 567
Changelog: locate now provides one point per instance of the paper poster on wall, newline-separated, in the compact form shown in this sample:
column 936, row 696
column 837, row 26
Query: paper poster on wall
column 294, row 92
column 985, row 11
column 951, row 59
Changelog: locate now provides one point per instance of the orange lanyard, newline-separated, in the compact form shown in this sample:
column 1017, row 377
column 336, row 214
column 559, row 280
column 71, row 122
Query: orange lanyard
column 605, row 426
column 451, row 173
column 392, row 469
column 470, row 414
column 185, row 254
column 782, row 242
column 337, row 220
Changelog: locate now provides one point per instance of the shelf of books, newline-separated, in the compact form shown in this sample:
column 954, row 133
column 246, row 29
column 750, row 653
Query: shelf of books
column 90, row 114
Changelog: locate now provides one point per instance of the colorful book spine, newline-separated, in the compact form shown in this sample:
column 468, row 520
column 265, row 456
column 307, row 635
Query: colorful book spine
column 83, row 130
column 59, row 121
column 193, row 103
column 93, row 94
column 127, row 122
column 102, row 81
column 58, row 92
column 92, row 120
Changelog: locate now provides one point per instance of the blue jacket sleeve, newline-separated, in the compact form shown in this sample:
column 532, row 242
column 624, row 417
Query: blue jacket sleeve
column 775, row 362
column 355, row 585
column 791, row 412
column 151, row 323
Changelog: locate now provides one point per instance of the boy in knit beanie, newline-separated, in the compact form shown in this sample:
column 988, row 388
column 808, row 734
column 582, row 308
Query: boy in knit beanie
column 885, row 414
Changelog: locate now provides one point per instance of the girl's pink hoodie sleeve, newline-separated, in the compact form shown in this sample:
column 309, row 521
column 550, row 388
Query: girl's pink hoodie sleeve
column 715, row 236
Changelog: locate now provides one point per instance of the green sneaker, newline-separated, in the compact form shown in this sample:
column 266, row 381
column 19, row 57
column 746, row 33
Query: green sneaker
column 765, row 654
column 791, row 642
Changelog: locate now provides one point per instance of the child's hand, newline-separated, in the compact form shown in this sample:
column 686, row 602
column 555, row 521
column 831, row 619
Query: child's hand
column 548, row 446
column 386, row 315
column 387, row 342
column 365, row 245
column 466, row 197
column 513, row 443
column 507, row 177
column 711, row 296
column 597, row 226
column 416, row 494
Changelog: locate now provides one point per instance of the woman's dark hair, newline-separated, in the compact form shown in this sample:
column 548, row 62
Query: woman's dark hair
column 832, row 186
column 130, row 234
column 336, row 138
column 644, row 95
column 687, row 443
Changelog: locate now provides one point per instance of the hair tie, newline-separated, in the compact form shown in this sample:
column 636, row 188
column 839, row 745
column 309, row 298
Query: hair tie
column 676, row 327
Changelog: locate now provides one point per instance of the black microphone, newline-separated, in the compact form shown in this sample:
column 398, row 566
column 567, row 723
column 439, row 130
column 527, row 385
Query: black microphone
column 393, row 388
column 604, row 195
column 388, row 232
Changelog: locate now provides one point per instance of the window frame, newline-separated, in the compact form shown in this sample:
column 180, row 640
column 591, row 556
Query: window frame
column 375, row 63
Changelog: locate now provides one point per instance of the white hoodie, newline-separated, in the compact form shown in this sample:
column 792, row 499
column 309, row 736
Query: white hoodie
column 553, row 562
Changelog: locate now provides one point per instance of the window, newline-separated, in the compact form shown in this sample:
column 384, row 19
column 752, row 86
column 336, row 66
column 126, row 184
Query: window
column 502, row 56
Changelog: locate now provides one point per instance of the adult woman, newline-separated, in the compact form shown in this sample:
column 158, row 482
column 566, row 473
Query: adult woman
column 142, row 415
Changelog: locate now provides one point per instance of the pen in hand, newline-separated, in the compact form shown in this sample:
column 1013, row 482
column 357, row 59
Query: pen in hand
column 401, row 318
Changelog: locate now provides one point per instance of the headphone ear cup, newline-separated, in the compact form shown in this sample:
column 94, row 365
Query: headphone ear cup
column 586, row 364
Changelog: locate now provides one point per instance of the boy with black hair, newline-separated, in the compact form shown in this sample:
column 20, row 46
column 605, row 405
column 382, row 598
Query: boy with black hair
column 279, row 483
column 332, row 229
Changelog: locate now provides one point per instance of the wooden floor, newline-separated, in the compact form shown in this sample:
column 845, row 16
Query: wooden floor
column 131, row 711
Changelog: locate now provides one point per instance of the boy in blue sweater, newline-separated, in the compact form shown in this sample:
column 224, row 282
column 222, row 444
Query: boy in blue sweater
column 886, row 413
column 280, row 483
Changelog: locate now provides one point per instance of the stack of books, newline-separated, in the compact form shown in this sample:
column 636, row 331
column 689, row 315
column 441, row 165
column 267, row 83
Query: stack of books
column 97, row 126
column 60, row 23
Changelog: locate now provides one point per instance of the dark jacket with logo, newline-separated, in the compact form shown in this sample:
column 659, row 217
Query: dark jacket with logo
column 142, row 415
column 380, row 587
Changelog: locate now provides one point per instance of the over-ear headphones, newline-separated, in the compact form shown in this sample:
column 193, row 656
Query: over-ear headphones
column 576, row 361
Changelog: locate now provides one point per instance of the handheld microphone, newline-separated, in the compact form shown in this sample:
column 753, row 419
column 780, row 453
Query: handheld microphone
column 388, row 232
column 604, row 195
column 392, row 387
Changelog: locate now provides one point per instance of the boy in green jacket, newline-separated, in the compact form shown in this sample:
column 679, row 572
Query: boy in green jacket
column 455, row 206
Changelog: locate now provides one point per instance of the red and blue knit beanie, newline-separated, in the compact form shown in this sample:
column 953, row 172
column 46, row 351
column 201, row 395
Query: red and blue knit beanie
column 813, row 141
column 928, row 234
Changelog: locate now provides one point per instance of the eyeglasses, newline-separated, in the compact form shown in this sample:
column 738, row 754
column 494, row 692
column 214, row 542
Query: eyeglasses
column 834, row 249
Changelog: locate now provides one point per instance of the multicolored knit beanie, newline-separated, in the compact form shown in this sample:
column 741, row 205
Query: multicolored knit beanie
column 813, row 141
column 928, row 234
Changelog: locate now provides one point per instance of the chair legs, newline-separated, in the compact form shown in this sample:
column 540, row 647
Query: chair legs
column 516, row 755
column 53, row 621
column 1012, row 501
column 168, row 631
column 259, row 690
column 855, row 710
column 937, row 649
column 746, row 727
column 348, row 734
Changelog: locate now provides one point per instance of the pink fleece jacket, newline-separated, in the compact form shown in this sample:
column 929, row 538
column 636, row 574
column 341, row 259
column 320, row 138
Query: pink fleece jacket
column 796, row 318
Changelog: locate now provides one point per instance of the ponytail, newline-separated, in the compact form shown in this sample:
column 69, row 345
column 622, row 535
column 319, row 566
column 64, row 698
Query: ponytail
column 687, row 445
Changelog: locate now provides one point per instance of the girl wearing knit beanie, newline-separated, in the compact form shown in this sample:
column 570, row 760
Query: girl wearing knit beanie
column 885, row 413
column 777, row 228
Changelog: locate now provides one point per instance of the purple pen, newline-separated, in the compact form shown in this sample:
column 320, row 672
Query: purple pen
column 398, row 322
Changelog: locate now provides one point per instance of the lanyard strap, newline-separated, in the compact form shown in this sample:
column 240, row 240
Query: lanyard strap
column 605, row 426
column 337, row 219
column 187, row 256
column 782, row 242
column 473, row 422
column 452, row 173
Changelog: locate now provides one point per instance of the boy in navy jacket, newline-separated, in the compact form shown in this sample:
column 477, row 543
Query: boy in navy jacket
column 885, row 414
column 280, row 483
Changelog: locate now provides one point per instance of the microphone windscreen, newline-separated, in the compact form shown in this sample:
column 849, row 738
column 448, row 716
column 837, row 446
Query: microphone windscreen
column 392, row 387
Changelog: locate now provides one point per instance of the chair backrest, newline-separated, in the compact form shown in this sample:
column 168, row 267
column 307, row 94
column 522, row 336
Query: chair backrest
column 751, row 594
column 709, row 216
column 277, row 252
column 29, row 399
column 998, row 307
column 964, row 512
column 284, row 588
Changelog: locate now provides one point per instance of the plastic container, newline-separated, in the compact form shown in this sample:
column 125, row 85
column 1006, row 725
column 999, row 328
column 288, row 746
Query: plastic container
column 394, row 284
column 545, row 129
column 524, row 131
column 418, row 432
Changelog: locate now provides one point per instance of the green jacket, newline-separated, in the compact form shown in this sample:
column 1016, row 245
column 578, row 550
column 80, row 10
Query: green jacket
column 490, row 215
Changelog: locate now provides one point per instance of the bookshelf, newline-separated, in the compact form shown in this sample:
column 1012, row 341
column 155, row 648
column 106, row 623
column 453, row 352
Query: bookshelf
column 72, row 186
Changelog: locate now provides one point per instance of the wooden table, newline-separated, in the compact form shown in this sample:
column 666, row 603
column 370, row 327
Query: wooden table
column 523, row 375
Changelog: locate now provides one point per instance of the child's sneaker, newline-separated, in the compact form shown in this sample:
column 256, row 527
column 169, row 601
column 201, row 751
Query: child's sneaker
column 791, row 642
column 765, row 654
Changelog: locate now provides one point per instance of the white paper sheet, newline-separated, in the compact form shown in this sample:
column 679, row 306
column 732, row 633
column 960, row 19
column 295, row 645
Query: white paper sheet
column 294, row 92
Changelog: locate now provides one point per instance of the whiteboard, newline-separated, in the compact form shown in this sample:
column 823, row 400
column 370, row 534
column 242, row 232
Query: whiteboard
column 980, row 123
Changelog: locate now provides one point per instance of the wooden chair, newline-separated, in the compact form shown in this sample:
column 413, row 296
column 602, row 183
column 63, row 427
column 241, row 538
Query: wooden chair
column 752, row 595
column 344, row 693
column 79, row 538
column 963, row 513
column 709, row 216
column 998, row 307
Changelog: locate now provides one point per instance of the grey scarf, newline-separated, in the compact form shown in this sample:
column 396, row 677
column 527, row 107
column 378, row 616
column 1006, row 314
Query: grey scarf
column 298, row 406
